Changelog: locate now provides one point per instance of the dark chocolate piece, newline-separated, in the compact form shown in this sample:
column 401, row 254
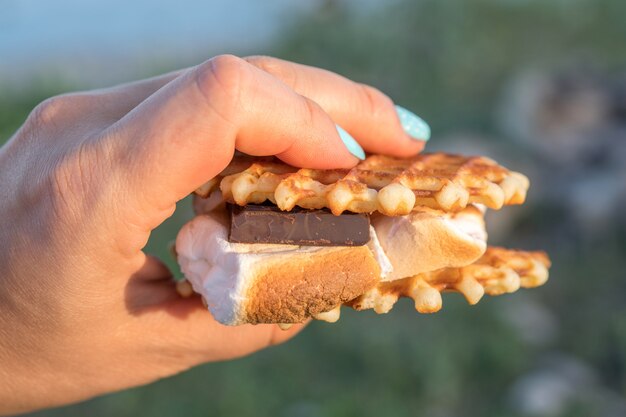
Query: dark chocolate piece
column 268, row 224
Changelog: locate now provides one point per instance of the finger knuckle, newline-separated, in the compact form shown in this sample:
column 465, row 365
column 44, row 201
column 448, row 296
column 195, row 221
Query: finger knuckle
column 48, row 110
column 222, row 81
column 273, row 66
column 264, row 62
column 310, row 115
column 227, row 72
column 57, row 108
column 374, row 102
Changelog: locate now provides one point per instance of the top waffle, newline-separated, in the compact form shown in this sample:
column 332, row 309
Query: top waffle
column 392, row 186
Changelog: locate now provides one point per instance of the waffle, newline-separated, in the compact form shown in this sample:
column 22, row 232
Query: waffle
column 392, row 186
column 497, row 272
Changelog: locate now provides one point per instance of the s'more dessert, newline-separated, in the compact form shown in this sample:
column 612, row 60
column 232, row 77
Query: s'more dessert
column 272, row 243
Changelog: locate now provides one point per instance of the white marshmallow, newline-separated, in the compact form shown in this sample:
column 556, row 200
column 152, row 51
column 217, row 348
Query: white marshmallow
column 222, row 271
column 428, row 240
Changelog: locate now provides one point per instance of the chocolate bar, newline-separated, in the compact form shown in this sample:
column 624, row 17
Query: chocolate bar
column 268, row 224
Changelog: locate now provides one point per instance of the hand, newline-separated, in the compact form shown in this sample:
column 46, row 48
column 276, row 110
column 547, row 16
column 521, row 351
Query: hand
column 83, row 311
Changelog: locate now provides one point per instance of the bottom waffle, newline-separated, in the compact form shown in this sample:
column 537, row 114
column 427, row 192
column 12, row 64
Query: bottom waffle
column 497, row 272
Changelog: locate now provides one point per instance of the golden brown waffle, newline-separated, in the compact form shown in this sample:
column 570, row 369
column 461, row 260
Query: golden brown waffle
column 392, row 186
column 498, row 271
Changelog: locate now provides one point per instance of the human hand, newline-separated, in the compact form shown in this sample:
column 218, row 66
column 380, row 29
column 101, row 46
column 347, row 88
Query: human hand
column 83, row 311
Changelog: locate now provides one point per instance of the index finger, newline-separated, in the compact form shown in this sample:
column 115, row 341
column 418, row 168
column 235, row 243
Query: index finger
column 364, row 111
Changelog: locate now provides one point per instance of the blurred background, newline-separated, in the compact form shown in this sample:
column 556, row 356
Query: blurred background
column 539, row 86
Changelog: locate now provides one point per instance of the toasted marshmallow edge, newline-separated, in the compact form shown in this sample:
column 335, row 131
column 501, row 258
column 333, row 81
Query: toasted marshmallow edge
column 222, row 272
column 427, row 240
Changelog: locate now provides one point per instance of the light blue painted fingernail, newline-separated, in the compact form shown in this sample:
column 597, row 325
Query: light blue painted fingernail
column 352, row 145
column 413, row 125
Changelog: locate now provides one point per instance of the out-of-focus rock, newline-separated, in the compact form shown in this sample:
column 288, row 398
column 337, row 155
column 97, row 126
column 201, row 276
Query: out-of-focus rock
column 560, row 382
column 302, row 409
column 534, row 322
column 574, row 123
column 556, row 383
column 556, row 112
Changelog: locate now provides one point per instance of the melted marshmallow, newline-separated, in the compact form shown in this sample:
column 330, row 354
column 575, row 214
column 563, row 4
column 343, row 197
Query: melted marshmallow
column 222, row 271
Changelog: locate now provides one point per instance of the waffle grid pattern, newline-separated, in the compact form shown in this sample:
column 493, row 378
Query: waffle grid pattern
column 498, row 271
column 392, row 186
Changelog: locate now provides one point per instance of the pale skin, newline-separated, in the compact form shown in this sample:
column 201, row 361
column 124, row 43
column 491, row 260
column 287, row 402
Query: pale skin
column 83, row 310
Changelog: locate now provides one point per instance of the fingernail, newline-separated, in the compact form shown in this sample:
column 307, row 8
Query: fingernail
column 413, row 125
column 352, row 145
